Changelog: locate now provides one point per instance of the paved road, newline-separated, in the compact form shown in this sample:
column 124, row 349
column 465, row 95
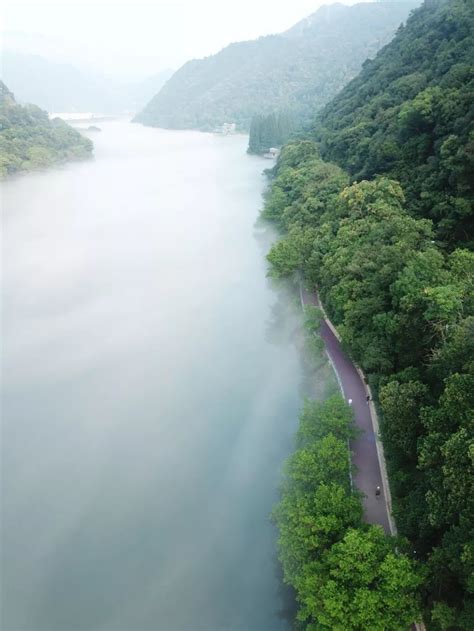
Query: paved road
column 368, row 474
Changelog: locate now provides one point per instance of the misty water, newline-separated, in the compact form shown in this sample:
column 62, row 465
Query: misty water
column 151, row 387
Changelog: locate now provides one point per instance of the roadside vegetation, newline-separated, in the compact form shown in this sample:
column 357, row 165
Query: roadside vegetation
column 347, row 575
column 385, row 232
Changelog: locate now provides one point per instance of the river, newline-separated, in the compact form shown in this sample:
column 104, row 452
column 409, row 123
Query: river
column 150, row 390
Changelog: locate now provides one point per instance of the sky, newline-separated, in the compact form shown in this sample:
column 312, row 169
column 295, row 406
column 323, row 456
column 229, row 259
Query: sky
column 141, row 37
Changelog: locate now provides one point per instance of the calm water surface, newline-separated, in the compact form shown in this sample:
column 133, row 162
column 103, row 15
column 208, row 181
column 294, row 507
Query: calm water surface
column 150, row 390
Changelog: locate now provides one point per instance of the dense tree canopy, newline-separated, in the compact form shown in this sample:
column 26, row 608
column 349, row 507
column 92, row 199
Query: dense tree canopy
column 297, row 71
column 30, row 140
column 405, row 310
column 346, row 575
column 390, row 255
column 410, row 115
column 269, row 131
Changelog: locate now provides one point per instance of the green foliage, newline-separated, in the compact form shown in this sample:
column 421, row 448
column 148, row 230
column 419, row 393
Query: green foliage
column 345, row 574
column 29, row 140
column 303, row 188
column 269, row 131
column 390, row 256
column 318, row 420
column 357, row 244
column 446, row 456
column 290, row 254
column 409, row 115
column 297, row 71
column 312, row 318
column 401, row 423
column 362, row 582
column 405, row 311
column 324, row 460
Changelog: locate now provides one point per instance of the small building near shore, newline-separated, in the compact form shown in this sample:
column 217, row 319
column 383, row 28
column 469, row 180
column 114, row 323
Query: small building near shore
column 272, row 153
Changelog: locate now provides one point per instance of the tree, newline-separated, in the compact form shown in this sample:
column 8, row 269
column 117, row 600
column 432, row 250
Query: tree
column 309, row 523
column 361, row 582
column 269, row 131
column 317, row 419
column 401, row 425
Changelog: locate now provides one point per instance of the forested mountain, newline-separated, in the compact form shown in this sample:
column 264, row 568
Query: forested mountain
column 391, row 256
column 61, row 87
column 30, row 140
column 409, row 115
column 297, row 71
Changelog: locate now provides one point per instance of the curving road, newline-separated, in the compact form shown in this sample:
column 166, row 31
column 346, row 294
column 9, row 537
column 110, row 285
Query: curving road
column 367, row 453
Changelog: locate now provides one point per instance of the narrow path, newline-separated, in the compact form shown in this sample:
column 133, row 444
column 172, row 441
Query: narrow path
column 365, row 455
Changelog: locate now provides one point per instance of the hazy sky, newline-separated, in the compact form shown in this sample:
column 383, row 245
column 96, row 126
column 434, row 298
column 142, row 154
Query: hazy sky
column 139, row 37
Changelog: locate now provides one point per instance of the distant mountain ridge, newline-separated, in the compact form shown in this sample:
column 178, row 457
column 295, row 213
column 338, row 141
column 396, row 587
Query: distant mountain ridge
column 61, row 87
column 297, row 71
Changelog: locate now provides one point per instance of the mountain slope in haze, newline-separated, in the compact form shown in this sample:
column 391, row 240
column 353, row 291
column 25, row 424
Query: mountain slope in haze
column 297, row 71
column 30, row 140
column 410, row 115
column 139, row 93
column 61, row 87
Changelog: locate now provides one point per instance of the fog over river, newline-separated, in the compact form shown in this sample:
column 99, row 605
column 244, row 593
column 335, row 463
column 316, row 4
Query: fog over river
column 150, row 390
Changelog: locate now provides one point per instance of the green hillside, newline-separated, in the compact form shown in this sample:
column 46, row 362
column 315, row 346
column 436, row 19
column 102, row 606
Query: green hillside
column 297, row 71
column 385, row 235
column 30, row 140
column 409, row 115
